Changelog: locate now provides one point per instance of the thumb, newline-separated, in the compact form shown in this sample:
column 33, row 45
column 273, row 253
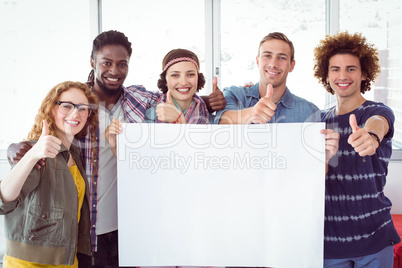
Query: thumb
column 353, row 123
column 45, row 128
column 270, row 91
column 215, row 84
column 169, row 97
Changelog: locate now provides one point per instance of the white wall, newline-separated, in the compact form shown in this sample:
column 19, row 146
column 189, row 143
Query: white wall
column 393, row 188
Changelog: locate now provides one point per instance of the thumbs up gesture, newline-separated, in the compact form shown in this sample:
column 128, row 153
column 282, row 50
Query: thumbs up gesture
column 167, row 112
column 265, row 108
column 217, row 100
column 360, row 139
column 47, row 145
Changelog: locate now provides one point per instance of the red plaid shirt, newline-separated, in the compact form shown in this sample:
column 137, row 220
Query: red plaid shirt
column 136, row 100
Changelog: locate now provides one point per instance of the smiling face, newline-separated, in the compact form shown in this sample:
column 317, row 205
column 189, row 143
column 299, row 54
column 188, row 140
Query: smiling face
column 274, row 63
column 182, row 80
column 345, row 75
column 68, row 125
column 111, row 69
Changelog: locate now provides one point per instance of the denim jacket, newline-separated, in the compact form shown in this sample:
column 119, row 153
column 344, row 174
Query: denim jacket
column 289, row 109
column 41, row 225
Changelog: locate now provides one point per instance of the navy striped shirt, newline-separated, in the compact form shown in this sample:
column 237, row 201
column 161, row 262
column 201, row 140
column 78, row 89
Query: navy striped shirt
column 357, row 213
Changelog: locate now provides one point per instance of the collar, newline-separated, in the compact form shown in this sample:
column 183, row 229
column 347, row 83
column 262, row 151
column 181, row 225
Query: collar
column 124, row 93
column 179, row 108
column 74, row 150
column 115, row 107
column 286, row 99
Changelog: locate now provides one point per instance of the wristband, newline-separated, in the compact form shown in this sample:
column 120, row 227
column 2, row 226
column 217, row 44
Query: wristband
column 375, row 137
column 178, row 118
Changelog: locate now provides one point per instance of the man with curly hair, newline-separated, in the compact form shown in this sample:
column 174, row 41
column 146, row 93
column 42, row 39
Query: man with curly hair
column 359, row 231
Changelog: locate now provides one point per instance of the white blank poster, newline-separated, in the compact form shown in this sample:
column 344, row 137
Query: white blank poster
column 216, row 195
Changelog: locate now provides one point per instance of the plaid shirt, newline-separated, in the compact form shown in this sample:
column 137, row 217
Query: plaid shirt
column 196, row 113
column 135, row 101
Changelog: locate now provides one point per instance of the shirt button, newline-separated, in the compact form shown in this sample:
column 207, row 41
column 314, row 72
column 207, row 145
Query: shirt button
column 44, row 216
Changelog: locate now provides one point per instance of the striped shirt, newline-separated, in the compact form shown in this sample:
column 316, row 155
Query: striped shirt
column 135, row 101
column 357, row 213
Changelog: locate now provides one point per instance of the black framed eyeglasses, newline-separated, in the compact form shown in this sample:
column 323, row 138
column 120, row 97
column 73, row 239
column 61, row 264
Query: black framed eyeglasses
column 66, row 107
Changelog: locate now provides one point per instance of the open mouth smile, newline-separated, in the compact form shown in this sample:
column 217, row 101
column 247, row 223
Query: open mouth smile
column 72, row 122
column 183, row 90
column 272, row 73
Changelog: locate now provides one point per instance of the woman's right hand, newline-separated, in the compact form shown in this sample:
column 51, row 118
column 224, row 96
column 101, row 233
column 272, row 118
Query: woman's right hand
column 47, row 145
column 167, row 112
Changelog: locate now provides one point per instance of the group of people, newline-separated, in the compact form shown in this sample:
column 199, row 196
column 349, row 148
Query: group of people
column 60, row 198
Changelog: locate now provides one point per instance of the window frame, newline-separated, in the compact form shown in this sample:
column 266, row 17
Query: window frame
column 332, row 20
column 212, row 20
column 213, row 46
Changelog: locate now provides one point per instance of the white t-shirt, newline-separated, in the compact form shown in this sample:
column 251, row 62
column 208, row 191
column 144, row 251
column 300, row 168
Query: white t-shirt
column 107, row 177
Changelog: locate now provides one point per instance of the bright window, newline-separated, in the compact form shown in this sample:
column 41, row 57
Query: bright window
column 380, row 22
column 245, row 23
column 42, row 43
column 154, row 28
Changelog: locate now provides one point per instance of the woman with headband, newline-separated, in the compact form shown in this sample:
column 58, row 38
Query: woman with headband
column 179, row 82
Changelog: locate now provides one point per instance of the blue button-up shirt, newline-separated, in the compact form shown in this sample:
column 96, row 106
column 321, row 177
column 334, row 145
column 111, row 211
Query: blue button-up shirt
column 290, row 108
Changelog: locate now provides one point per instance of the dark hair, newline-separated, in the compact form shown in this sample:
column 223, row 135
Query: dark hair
column 278, row 36
column 174, row 54
column 345, row 43
column 110, row 38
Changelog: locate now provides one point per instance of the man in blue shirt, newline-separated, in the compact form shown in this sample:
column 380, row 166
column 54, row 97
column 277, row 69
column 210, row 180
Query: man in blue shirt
column 269, row 100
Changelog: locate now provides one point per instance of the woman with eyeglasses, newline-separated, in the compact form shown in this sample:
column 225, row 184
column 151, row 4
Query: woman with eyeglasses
column 47, row 218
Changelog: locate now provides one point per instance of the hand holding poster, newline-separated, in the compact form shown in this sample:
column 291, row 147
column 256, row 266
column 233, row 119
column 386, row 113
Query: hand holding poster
column 213, row 195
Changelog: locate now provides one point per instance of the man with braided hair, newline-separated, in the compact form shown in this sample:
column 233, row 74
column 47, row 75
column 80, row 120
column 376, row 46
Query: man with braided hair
column 111, row 52
column 358, row 231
